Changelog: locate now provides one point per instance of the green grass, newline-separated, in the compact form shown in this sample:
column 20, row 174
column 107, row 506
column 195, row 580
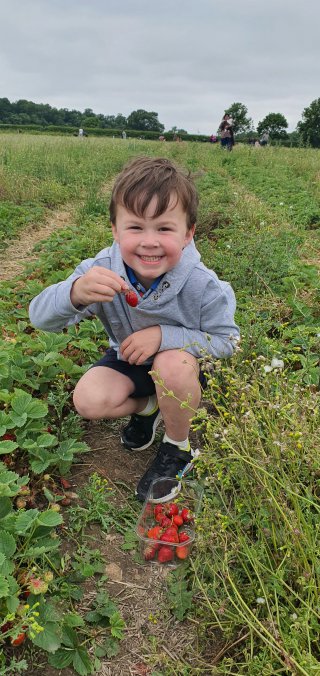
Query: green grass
column 255, row 572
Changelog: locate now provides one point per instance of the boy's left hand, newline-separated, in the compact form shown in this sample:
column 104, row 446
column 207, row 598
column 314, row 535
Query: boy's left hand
column 141, row 345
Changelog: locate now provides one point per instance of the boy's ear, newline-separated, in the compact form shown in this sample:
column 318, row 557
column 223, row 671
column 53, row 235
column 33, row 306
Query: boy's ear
column 115, row 232
column 190, row 234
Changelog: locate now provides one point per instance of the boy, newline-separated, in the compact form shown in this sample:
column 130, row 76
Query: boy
column 182, row 311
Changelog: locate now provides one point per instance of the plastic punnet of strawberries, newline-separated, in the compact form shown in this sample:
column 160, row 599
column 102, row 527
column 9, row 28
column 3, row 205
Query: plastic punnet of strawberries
column 169, row 535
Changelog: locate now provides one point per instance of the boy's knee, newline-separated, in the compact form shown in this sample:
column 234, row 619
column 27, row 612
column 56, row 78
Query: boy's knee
column 176, row 366
column 88, row 404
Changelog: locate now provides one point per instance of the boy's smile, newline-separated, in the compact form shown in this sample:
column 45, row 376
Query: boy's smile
column 152, row 246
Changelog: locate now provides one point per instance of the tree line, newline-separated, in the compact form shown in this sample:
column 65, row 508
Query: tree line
column 23, row 112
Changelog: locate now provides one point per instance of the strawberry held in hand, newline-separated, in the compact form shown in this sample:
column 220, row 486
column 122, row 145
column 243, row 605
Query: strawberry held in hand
column 131, row 298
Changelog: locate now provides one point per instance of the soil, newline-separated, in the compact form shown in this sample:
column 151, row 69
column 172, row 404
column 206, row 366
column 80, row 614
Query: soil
column 19, row 251
column 138, row 589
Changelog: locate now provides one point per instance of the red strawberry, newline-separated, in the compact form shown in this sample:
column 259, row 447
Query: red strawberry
column 131, row 298
column 149, row 552
column 20, row 638
column 165, row 554
column 186, row 515
column 155, row 532
column 165, row 522
column 182, row 552
column 183, row 537
column 170, row 533
column 158, row 509
column 171, row 509
column 8, row 437
column 177, row 520
column 65, row 483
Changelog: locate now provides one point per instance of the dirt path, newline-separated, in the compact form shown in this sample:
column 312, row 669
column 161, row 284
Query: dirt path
column 19, row 251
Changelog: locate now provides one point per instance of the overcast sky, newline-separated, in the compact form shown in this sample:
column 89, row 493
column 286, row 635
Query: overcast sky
column 187, row 60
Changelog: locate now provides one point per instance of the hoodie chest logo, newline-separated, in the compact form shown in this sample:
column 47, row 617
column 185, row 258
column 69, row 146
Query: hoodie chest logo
column 160, row 289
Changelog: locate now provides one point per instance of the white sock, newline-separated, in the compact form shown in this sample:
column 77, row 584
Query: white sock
column 151, row 406
column 183, row 445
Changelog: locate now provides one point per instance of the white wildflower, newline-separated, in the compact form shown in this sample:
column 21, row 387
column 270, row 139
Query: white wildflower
column 277, row 363
column 260, row 600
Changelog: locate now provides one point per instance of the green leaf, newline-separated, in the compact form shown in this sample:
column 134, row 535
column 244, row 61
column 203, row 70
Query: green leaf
column 19, row 420
column 81, row 662
column 37, row 409
column 69, row 637
column 46, row 440
column 49, row 639
column 12, row 603
column 117, row 625
column 5, row 507
column 7, row 544
column 7, row 567
column 4, row 587
column 61, row 659
column 73, row 620
column 25, row 520
column 180, row 598
column 110, row 647
column 50, row 519
column 44, row 459
column 7, row 447
column 20, row 401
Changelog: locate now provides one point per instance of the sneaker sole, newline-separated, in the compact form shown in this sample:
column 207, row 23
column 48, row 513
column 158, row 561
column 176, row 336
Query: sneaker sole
column 154, row 429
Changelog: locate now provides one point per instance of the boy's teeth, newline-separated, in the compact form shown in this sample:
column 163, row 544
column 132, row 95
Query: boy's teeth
column 150, row 258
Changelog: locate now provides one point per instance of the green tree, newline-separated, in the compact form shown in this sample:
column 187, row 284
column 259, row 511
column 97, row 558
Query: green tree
column 309, row 126
column 177, row 130
column 241, row 121
column 275, row 124
column 144, row 121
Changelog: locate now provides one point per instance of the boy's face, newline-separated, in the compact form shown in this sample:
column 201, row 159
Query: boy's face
column 152, row 246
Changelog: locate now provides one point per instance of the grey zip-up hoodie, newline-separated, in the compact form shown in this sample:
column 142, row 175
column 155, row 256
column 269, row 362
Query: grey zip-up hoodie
column 194, row 309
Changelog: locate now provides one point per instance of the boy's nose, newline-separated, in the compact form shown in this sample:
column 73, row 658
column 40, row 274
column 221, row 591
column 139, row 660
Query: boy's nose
column 150, row 241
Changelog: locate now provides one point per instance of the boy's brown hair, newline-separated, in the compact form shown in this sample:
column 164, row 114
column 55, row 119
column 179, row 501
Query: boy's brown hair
column 146, row 177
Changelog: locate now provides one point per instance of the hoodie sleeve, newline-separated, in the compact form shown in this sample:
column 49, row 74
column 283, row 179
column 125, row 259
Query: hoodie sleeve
column 52, row 309
column 218, row 334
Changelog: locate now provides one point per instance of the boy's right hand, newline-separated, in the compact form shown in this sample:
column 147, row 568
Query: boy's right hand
column 98, row 285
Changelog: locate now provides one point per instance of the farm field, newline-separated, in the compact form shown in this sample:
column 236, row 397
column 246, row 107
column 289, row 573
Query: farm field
column 247, row 600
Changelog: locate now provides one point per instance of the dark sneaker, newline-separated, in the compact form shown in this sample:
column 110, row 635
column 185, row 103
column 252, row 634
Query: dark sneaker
column 140, row 431
column 170, row 462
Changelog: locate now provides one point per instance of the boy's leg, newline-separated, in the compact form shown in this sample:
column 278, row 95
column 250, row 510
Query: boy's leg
column 103, row 392
column 179, row 372
column 113, row 388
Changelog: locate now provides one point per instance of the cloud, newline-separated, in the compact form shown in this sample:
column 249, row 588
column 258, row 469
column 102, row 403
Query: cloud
column 187, row 61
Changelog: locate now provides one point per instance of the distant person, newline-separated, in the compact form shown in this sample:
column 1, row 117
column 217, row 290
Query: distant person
column 264, row 139
column 124, row 135
column 162, row 138
column 226, row 132
column 81, row 133
column 213, row 138
column 257, row 144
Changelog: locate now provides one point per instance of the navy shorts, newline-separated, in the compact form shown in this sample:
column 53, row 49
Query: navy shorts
column 143, row 383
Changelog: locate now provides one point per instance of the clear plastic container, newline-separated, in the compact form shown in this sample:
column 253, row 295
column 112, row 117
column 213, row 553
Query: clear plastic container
column 173, row 547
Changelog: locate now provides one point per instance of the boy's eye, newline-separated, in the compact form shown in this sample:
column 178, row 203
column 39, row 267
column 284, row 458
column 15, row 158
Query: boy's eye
column 135, row 227
column 165, row 228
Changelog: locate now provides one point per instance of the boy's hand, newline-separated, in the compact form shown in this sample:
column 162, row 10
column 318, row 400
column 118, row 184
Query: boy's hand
column 98, row 285
column 141, row 345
